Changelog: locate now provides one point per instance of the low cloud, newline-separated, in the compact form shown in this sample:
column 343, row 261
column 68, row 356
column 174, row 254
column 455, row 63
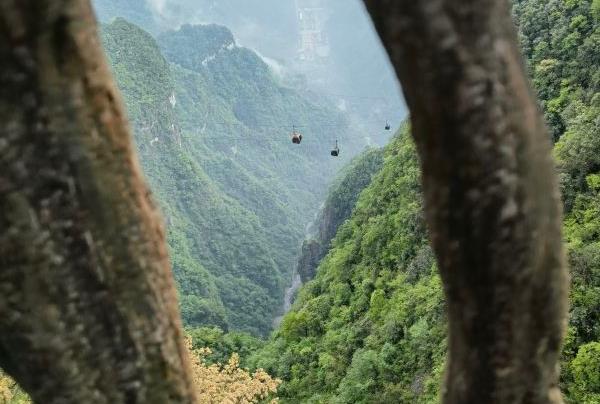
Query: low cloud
column 277, row 68
column 157, row 6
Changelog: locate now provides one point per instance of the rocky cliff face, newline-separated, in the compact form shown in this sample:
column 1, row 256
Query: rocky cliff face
column 312, row 252
column 338, row 207
column 210, row 126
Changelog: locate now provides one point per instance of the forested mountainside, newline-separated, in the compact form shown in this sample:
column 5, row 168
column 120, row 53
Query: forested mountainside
column 212, row 129
column 253, row 20
column 338, row 206
column 355, row 73
column 370, row 328
column 138, row 12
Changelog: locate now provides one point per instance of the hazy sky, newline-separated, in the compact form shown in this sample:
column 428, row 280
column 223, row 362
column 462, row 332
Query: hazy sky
column 260, row 24
column 357, row 67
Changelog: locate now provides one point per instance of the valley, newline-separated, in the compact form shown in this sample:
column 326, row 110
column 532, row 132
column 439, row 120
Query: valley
column 212, row 128
column 227, row 202
column 368, row 323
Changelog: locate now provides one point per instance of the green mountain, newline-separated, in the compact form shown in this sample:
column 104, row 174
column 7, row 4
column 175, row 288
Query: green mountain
column 370, row 327
column 136, row 11
column 342, row 197
column 212, row 126
column 212, row 129
column 562, row 43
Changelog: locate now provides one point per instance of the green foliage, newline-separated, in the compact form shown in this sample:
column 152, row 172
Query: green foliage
column 561, row 40
column 582, row 232
column 578, row 150
column 370, row 327
column 235, row 198
column 223, row 344
column 342, row 197
column 136, row 11
column 577, row 106
column 345, row 190
column 142, row 74
column 191, row 47
column 586, row 374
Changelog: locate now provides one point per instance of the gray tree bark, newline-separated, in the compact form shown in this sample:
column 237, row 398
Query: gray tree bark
column 88, row 310
column 491, row 196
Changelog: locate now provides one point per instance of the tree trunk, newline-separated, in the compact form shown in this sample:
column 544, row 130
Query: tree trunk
column 88, row 310
column 491, row 196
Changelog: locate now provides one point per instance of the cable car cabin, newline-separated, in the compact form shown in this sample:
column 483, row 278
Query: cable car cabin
column 336, row 150
column 296, row 138
column 388, row 126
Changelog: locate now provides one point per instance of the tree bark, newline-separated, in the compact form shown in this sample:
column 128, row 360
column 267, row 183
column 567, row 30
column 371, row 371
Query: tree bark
column 491, row 196
column 88, row 310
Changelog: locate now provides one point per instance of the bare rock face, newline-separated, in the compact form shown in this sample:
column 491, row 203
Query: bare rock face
column 312, row 252
column 337, row 209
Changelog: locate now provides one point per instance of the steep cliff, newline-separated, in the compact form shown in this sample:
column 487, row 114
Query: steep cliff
column 338, row 206
column 212, row 129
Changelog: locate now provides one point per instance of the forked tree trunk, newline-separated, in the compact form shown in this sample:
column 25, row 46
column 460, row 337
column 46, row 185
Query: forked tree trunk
column 88, row 310
column 491, row 196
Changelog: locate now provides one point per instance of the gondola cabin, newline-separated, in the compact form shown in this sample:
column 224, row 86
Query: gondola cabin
column 336, row 150
column 296, row 137
column 388, row 126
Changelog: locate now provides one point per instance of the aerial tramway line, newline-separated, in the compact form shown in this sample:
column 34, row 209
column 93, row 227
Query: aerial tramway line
column 296, row 135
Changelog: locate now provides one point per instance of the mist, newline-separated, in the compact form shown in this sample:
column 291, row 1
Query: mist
column 351, row 67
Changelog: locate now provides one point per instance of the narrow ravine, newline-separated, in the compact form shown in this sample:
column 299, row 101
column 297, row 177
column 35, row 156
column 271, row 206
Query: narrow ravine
column 288, row 299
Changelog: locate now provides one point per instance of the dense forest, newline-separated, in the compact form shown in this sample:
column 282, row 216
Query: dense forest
column 246, row 212
column 204, row 112
column 370, row 328
column 342, row 196
column 357, row 74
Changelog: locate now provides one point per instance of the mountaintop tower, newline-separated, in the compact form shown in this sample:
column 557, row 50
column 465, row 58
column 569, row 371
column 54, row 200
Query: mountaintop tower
column 314, row 44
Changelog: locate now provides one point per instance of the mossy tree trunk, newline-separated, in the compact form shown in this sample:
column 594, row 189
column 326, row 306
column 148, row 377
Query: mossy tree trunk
column 491, row 196
column 88, row 310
